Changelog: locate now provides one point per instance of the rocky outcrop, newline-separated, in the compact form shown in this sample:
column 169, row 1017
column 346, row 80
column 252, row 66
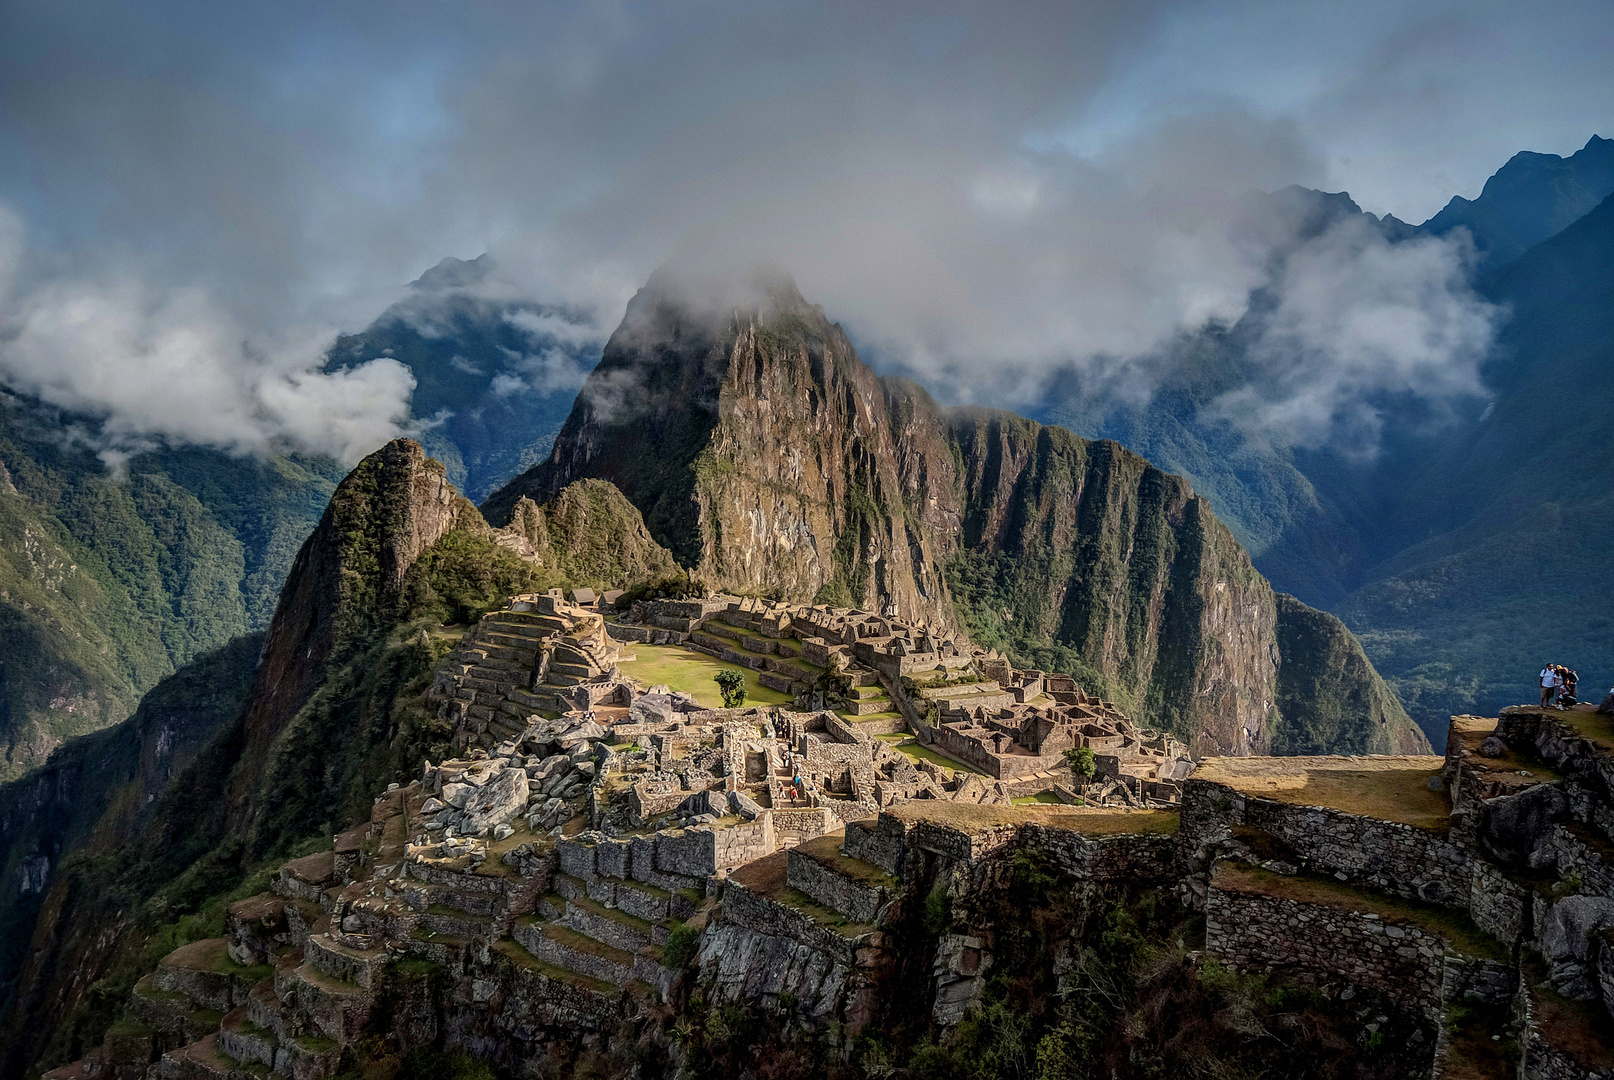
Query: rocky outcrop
column 589, row 534
column 769, row 458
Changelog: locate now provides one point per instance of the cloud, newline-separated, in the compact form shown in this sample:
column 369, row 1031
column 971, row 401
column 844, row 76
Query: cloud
column 174, row 365
column 982, row 194
column 1360, row 323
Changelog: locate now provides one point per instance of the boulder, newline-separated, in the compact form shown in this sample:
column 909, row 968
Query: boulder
column 1493, row 747
column 704, row 802
column 431, row 806
column 1515, row 825
column 455, row 795
column 651, row 708
column 1568, row 945
column 480, row 774
column 744, row 805
column 495, row 803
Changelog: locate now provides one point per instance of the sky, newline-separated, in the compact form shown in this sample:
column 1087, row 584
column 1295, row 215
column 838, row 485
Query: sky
column 196, row 198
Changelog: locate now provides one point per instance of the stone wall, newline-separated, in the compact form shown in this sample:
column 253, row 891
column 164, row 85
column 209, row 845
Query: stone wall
column 794, row 826
column 1395, row 858
column 1498, row 905
column 742, row 907
column 1144, row 859
column 1474, row 978
column 1317, row 945
column 859, row 902
column 740, row 844
column 878, row 842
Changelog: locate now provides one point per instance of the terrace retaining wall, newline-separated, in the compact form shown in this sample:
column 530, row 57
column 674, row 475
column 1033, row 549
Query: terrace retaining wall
column 1317, row 945
column 1399, row 859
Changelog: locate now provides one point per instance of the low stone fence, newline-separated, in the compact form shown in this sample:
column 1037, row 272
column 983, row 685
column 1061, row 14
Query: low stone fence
column 1498, row 905
column 1395, row 858
column 740, row 844
column 878, row 842
column 794, row 826
column 857, row 901
column 697, row 852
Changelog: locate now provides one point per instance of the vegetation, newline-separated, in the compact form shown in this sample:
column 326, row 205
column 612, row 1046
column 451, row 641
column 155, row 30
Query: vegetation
column 1082, row 761
column 678, row 586
column 110, row 581
column 681, row 945
column 1391, row 789
column 732, row 685
column 240, row 804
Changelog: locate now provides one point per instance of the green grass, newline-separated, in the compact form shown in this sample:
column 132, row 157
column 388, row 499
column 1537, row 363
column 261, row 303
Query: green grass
column 826, row 851
column 517, row 954
column 1039, row 797
column 691, row 672
column 870, row 718
column 916, row 750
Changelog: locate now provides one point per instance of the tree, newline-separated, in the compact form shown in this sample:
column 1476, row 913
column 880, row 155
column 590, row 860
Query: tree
column 732, row 683
column 1082, row 761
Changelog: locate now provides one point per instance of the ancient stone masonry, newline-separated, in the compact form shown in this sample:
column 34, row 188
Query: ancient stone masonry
column 884, row 676
column 532, row 888
column 542, row 654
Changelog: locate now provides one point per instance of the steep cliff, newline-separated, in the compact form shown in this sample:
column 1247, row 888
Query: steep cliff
column 768, row 457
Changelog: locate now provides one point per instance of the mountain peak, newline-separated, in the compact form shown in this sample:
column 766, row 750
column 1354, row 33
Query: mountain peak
column 452, row 273
column 1532, row 197
column 721, row 292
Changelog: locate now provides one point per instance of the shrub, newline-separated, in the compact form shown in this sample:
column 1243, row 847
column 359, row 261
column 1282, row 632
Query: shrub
column 681, row 946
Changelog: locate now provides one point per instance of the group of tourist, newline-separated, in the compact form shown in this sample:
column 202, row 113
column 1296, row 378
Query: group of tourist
column 1557, row 687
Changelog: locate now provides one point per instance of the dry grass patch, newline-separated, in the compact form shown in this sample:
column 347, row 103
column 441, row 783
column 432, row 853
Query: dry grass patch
column 1586, row 722
column 767, row 878
column 1578, row 1028
column 918, row 751
column 582, row 943
column 517, row 954
column 1086, row 820
column 1450, row 925
column 1390, row 788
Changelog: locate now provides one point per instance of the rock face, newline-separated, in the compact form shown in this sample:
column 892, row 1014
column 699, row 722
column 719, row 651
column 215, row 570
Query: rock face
column 768, row 457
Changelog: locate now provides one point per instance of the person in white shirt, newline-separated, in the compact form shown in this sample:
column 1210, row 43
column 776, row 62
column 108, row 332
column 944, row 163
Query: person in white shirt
column 1549, row 683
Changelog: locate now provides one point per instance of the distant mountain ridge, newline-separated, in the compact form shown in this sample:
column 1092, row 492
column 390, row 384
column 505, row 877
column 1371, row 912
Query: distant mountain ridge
column 494, row 376
column 110, row 581
column 1418, row 549
column 1532, row 197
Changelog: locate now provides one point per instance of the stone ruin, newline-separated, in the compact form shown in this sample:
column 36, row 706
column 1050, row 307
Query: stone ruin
column 530, row 888
column 886, row 676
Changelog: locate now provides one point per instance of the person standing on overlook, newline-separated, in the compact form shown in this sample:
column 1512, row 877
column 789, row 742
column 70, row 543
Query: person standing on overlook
column 1549, row 683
